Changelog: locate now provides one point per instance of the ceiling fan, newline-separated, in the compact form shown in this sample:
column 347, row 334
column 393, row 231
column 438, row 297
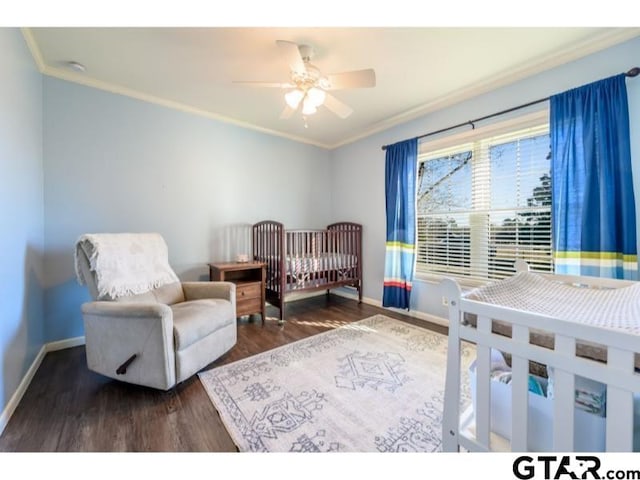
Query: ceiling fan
column 308, row 86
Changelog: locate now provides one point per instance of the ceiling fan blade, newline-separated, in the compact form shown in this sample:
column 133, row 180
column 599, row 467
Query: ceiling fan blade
column 355, row 79
column 266, row 84
column 337, row 107
column 287, row 112
column 291, row 54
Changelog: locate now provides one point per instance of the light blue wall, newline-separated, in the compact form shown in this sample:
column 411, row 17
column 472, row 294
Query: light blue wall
column 358, row 168
column 115, row 164
column 21, row 212
column 75, row 160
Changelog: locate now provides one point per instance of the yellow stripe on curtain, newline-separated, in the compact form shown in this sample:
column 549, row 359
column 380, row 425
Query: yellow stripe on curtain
column 395, row 246
column 597, row 256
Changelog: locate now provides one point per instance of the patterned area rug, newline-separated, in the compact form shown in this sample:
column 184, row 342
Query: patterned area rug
column 371, row 386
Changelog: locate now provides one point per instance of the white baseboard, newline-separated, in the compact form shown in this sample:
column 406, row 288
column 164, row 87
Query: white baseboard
column 22, row 388
column 292, row 297
column 15, row 399
column 5, row 416
column 411, row 313
column 444, row 322
column 66, row 343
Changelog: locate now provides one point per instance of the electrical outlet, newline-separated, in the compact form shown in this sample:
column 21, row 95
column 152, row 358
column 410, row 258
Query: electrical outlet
column 445, row 302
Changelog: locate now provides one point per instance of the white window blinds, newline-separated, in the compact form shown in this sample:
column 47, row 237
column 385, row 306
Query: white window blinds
column 485, row 203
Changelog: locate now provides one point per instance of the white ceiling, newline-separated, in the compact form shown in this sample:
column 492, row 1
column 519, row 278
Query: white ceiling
column 417, row 69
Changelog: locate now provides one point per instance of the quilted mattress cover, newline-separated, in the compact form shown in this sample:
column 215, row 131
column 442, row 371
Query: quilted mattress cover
column 617, row 309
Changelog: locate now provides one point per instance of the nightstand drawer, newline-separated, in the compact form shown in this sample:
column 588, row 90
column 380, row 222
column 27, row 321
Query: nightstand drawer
column 249, row 279
column 246, row 307
column 248, row 290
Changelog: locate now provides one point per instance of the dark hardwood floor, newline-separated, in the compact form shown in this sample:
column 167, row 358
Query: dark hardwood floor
column 68, row 408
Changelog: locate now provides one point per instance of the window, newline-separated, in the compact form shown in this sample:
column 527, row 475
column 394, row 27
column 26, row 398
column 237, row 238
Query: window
column 485, row 203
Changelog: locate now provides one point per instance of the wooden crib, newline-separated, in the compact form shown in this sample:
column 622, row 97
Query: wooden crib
column 308, row 260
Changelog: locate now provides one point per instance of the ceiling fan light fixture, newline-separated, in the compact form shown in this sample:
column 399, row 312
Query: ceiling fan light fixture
column 308, row 108
column 308, row 88
column 316, row 96
column 293, row 98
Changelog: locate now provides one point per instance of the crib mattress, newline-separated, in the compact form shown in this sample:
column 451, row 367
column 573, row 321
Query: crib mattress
column 617, row 309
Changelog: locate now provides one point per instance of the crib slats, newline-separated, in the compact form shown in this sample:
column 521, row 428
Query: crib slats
column 519, row 394
column 564, row 398
column 451, row 436
column 483, row 382
column 332, row 274
column 619, row 436
column 267, row 247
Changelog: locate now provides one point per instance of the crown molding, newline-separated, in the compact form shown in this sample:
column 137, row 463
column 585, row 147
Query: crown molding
column 127, row 92
column 33, row 48
column 587, row 47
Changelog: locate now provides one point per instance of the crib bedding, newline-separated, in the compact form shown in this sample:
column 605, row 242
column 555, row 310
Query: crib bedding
column 311, row 263
column 301, row 264
column 617, row 309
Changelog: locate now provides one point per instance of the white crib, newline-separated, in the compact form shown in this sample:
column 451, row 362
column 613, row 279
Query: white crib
column 471, row 428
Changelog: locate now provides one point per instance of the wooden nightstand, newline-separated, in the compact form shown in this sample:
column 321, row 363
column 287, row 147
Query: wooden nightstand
column 250, row 279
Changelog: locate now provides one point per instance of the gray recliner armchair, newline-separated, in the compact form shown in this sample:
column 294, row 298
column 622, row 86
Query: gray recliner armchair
column 144, row 326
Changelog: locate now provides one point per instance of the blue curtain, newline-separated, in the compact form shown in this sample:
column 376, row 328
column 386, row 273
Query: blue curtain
column 400, row 182
column 594, row 218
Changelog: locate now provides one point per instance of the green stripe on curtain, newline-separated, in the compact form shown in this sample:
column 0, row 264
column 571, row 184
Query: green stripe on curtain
column 594, row 219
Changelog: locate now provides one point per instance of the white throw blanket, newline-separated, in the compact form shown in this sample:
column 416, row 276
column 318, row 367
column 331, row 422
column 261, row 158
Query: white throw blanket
column 125, row 263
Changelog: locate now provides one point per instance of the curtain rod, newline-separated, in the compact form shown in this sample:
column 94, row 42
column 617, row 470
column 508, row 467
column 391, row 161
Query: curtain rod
column 634, row 72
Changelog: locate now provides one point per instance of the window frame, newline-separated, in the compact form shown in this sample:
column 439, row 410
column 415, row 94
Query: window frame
column 426, row 146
